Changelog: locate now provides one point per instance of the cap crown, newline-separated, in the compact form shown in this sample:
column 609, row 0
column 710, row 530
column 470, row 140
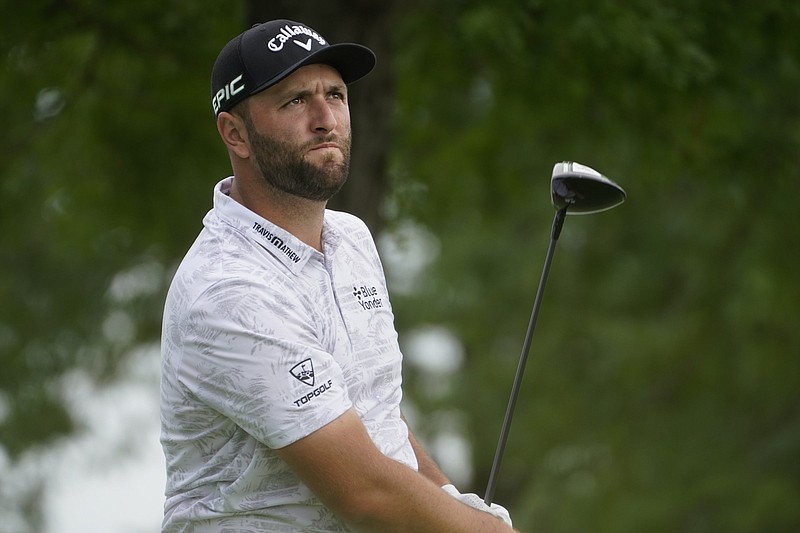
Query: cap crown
column 267, row 53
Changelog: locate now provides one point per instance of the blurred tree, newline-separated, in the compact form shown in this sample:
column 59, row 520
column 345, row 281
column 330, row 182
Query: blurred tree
column 108, row 158
column 661, row 390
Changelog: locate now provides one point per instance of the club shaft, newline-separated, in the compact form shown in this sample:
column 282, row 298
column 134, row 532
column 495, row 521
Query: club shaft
column 558, row 222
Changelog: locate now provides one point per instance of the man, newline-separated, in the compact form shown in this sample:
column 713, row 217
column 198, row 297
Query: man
column 281, row 372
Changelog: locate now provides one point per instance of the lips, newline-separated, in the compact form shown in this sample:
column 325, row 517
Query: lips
column 326, row 145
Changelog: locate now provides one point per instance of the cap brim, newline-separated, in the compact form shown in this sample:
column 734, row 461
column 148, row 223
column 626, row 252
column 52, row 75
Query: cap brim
column 353, row 61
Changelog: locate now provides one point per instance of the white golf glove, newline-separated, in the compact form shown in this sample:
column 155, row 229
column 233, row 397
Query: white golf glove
column 475, row 501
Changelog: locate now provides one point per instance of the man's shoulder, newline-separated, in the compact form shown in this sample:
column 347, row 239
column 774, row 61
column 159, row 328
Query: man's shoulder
column 345, row 222
column 350, row 232
column 221, row 263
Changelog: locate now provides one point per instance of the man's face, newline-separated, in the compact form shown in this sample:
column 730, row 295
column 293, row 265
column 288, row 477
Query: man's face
column 306, row 151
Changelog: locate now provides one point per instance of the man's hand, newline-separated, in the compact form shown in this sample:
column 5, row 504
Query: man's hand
column 475, row 501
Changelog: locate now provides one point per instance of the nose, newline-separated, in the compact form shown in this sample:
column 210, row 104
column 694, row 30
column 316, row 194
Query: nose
column 323, row 118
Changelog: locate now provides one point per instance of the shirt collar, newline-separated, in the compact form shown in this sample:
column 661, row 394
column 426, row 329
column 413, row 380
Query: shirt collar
column 281, row 244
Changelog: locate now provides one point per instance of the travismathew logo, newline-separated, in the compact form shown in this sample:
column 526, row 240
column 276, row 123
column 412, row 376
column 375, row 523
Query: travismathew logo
column 304, row 371
column 367, row 297
column 289, row 33
column 276, row 241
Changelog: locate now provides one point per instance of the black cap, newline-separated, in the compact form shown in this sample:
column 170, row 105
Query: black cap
column 266, row 53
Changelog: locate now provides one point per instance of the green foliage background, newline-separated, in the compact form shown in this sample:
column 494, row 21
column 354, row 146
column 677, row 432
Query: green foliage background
column 662, row 389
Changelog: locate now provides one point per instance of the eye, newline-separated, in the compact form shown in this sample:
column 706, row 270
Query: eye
column 296, row 99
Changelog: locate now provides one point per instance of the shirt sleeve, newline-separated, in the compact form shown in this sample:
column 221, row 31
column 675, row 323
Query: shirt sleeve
column 255, row 356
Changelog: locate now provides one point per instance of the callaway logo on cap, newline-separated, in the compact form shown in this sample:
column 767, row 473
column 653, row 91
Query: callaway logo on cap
column 266, row 53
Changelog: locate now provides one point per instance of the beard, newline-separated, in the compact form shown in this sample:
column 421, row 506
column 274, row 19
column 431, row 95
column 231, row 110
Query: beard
column 283, row 166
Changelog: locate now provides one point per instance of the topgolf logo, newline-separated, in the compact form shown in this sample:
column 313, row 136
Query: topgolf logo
column 304, row 371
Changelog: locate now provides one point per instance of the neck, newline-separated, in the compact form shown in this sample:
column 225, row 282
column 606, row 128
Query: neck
column 301, row 217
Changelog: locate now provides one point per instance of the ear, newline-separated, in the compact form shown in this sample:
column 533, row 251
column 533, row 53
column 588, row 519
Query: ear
column 234, row 134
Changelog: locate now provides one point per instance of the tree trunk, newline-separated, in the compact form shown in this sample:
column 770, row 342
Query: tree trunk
column 365, row 22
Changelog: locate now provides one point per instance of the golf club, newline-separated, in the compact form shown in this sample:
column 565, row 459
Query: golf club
column 575, row 189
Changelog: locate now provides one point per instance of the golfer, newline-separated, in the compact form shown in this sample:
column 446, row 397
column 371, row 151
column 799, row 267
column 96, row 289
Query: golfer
column 281, row 371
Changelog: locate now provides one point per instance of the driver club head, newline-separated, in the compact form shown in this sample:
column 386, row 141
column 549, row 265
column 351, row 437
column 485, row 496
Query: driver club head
column 582, row 189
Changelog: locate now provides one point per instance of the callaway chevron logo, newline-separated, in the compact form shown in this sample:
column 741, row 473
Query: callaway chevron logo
column 290, row 32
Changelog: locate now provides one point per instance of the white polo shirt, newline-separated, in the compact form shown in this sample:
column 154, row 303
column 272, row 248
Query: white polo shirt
column 264, row 341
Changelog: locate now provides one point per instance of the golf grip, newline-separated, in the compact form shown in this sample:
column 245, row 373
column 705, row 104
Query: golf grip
column 558, row 222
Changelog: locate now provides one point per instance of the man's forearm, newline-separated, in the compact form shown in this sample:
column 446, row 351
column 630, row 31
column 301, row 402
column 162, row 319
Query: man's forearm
column 373, row 492
column 413, row 502
column 427, row 466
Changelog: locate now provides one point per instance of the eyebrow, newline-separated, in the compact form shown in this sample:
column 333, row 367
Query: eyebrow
column 298, row 92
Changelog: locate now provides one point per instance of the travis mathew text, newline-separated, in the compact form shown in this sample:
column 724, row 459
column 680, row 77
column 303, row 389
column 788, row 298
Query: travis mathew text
column 276, row 241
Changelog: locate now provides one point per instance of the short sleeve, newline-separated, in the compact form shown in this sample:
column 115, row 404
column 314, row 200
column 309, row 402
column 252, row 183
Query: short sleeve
column 255, row 356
